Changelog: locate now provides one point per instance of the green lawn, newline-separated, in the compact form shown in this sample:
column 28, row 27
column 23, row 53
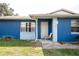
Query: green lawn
column 75, row 43
column 18, row 43
column 31, row 48
column 61, row 52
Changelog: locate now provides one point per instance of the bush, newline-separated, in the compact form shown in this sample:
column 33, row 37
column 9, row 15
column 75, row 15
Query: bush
column 7, row 38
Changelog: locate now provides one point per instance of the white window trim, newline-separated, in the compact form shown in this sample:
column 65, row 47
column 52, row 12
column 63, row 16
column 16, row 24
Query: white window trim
column 72, row 25
column 74, row 32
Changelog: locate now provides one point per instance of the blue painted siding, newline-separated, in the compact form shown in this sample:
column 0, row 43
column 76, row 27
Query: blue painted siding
column 11, row 28
column 64, row 30
column 49, row 26
column 75, row 37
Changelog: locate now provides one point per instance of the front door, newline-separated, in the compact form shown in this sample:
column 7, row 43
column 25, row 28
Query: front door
column 44, row 29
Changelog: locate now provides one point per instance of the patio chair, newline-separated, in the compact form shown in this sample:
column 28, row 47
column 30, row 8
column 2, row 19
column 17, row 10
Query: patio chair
column 48, row 37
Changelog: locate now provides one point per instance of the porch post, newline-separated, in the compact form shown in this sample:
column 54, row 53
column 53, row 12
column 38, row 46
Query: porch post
column 36, row 29
column 55, row 22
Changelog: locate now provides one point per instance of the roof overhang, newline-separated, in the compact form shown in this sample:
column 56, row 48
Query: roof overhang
column 50, row 16
column 59, row 13
column 15, row 18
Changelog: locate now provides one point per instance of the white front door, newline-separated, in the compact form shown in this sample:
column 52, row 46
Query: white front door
column 44, row 29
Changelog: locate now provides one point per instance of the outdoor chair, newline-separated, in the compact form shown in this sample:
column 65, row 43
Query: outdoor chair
column 48, row 37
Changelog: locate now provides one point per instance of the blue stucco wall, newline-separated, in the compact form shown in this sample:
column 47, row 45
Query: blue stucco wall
column 10, row 28
column 64, row 31
column 49, row 26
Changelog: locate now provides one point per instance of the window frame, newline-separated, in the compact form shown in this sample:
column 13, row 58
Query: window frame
column 28, row 27
column 72, row 32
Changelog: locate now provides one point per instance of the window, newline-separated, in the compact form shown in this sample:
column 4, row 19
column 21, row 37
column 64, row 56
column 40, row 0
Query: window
column 27, row 26
column 75, row 25
column 23, row 26
column 33, row 27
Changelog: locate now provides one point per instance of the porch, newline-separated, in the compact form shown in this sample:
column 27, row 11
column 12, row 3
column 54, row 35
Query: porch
column 38, row 29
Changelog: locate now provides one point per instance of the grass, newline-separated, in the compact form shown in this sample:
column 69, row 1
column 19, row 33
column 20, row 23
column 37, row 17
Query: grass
column 18, row 43
column 75, row 43
column 61, row 52
column 21, row 51
column 32, row 48
column 20, row 48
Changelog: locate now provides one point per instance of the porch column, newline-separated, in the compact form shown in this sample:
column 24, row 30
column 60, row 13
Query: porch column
column 36, row 29
column 55, row 22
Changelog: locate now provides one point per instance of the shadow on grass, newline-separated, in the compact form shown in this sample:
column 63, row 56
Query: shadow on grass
column 19, row 43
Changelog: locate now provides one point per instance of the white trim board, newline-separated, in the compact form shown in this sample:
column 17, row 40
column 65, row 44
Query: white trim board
column 55, row 22
column 74, row 32
column 27, row 35
column 36, row 29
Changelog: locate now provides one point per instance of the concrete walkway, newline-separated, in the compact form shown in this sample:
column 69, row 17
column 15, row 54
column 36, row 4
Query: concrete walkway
column 50, row 45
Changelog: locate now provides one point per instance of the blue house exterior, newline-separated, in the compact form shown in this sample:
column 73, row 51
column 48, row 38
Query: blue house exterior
column 10, row 28
column 63, row 24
